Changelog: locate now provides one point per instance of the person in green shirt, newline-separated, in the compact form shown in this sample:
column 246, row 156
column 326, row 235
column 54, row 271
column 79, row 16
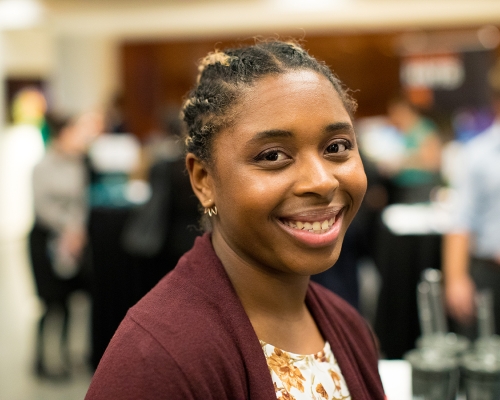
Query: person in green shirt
column 419, row 169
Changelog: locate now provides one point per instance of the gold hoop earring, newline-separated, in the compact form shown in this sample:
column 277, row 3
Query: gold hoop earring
column 211, row 211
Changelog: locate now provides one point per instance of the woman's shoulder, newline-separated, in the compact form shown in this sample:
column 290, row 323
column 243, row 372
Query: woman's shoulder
column 166, row 346
column 193, row 298
column 193, row 311
column 136, row 365
column 179, row 314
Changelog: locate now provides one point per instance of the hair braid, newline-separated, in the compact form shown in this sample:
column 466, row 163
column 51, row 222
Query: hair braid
column 224, row 75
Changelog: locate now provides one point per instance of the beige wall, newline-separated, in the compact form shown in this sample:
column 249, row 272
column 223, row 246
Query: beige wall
column 75, row 47
column 85, row 73
column 28, row 53
column 178, row 19
column 81, row 71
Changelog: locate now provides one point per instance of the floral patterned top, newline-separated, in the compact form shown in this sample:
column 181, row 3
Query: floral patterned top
column 300, row 377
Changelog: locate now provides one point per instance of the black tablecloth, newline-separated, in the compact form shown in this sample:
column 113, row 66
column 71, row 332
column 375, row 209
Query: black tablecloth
column 116, row 277
column 400, row 260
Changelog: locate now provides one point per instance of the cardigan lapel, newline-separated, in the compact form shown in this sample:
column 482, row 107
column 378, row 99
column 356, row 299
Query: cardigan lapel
column 207, row 273
column 357, row 362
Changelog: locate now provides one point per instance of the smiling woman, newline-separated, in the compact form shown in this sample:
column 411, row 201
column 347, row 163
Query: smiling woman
column 273, row 159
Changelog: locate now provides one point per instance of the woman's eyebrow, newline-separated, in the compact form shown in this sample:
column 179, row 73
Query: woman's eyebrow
column 270, row 134
column 339, row 126
column 281, row 133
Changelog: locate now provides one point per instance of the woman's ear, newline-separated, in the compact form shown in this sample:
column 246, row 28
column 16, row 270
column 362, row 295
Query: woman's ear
column 201, row 180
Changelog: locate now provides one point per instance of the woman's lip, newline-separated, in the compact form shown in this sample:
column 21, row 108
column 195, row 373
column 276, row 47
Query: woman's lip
column 313, row 215
column 312, row 239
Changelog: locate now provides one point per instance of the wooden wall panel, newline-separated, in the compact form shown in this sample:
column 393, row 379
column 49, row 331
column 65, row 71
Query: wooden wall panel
column 159, row 74
column 366, row 64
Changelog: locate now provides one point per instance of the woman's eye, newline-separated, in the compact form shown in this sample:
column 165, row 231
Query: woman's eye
column 338, row 147
column 272, row 155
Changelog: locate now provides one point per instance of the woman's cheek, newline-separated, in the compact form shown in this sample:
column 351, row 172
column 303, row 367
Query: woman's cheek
column 356, row 182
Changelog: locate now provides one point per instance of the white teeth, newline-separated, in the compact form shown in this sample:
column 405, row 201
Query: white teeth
column 314, row 226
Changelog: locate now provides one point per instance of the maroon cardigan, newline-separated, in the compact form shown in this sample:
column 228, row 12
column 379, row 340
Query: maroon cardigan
column 190, row 338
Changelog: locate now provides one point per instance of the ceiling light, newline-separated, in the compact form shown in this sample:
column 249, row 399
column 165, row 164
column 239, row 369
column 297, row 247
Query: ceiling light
column 19, row 14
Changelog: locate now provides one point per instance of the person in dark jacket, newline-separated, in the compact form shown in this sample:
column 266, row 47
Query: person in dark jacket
column 273, row 160
column 57, row 241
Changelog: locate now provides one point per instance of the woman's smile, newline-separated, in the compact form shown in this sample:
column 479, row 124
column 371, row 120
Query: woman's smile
column 315, row 232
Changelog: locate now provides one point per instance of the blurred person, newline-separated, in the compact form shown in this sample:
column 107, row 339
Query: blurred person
column 135, row 245
column 29, row 108
column 161, row 144
column 273, row 160
column 471, row 251
column 160, row 231
column 410, row 171
column 113, row 194
column 114, row 118
column 21, row 147
column 58, row 237
column 166, row 143
column 417, row 172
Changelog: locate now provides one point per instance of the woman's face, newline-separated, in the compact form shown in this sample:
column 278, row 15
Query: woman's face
column 287, row 177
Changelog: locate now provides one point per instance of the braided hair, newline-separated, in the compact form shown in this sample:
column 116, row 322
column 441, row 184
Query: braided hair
column 223, row 77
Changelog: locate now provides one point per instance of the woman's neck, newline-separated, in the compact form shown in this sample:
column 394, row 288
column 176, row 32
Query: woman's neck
column 260, row 287
column 273, row 300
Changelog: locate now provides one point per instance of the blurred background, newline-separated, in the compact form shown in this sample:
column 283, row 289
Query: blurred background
column 115, row 72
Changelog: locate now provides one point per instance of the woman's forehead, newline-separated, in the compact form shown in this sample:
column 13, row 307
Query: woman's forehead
column 276, row 95
column 290, row 81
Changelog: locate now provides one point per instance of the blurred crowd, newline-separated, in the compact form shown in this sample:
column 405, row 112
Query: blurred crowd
column 431, row 203
column 113, row 214
column 105, row 215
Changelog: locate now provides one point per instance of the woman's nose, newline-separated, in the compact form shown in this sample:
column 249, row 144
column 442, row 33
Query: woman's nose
column 316, row 176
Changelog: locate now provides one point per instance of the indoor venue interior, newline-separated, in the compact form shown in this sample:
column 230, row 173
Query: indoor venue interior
column 118, row 71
